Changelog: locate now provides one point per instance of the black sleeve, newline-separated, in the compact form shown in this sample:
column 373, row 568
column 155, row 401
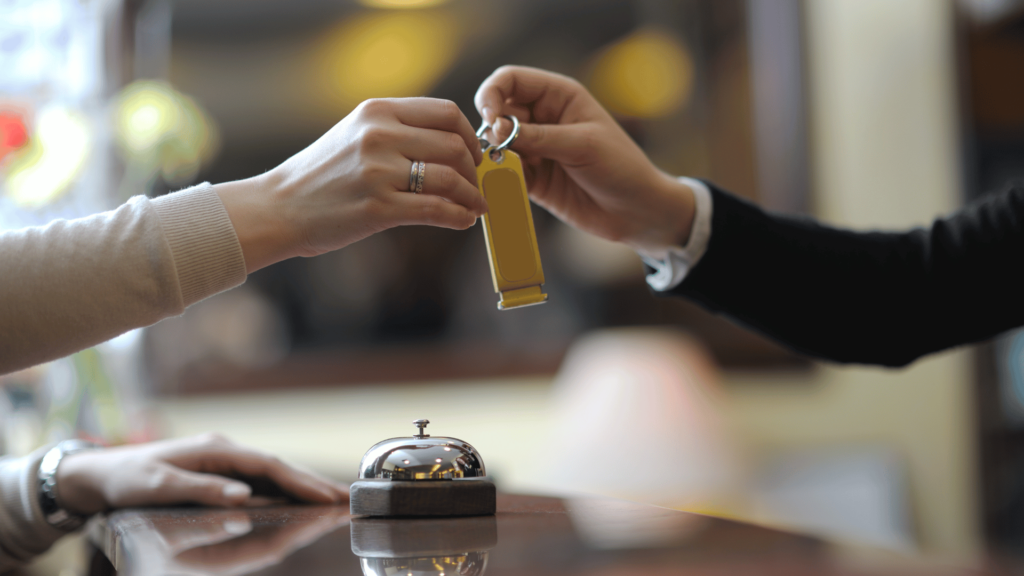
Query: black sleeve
column 866, row 297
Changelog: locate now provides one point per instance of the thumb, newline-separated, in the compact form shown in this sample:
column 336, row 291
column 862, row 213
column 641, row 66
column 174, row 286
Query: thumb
column 569, row 144
column 180, row 486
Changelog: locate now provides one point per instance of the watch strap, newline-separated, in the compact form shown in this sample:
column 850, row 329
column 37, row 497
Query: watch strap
column 53, row 512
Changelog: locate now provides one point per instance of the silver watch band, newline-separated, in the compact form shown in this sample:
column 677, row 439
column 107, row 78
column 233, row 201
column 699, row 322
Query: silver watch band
column 56, row 515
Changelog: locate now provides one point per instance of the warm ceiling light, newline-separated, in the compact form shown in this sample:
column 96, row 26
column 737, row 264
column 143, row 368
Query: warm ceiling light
column 400, row 4
column 648, row 74
column 384, row 55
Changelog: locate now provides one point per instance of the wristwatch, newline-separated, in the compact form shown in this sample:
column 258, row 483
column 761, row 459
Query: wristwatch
column 55, row 515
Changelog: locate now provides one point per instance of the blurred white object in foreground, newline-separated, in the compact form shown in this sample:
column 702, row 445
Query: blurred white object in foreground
column 637, row 417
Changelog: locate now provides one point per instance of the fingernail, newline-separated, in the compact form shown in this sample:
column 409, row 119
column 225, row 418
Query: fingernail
column 487, row 114
column 235, row 491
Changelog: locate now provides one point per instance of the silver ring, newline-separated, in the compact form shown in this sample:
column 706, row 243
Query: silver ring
column 413, row 173
column 508, row 141
column 419, row 177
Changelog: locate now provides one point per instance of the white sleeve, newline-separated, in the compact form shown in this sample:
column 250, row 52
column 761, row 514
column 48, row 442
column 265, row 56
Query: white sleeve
column 24, row 533
column 673, row 263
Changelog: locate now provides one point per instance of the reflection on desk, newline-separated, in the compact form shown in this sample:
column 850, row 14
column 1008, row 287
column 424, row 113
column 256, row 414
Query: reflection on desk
column 529, row 535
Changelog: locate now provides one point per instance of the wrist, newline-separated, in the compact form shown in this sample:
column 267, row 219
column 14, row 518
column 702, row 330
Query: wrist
column 261, row 229
column 670, row 220
column 77, row 477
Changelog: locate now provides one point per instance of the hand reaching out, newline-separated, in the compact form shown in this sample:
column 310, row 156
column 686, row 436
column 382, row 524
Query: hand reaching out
column 354, row 182
column 580, row 164
column 189, row 470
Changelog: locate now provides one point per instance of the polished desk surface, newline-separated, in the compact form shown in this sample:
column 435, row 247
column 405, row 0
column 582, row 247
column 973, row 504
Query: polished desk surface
column 528, row 536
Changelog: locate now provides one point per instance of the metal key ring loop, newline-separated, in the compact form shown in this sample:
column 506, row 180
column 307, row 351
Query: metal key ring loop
column 508, row 141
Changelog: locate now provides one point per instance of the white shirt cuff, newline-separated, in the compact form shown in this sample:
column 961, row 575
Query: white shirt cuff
column 672, row 263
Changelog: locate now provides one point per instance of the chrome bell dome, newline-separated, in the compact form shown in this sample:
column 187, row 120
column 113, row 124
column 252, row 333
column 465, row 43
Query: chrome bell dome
column 422, row 457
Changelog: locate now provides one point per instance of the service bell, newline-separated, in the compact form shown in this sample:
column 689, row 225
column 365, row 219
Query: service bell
column 422, row 475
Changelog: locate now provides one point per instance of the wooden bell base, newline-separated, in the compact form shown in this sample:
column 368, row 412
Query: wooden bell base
column 379, row 497
column 422, row 537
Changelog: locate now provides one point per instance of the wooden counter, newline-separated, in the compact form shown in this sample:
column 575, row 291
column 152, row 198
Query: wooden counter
column 529, row 535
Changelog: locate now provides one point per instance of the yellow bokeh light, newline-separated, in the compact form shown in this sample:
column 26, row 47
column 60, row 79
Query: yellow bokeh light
column 162, row 130
column 401, row 4
column 47, row 167
column 146, row 112
column 648, row 74
column 385, row 55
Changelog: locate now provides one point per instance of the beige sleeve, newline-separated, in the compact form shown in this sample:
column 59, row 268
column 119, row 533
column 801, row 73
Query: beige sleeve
column 75, row 283
column 24, row 532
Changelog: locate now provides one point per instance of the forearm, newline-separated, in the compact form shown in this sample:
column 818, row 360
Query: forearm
column 877, row 298
column 24, row 532
column 76, row 283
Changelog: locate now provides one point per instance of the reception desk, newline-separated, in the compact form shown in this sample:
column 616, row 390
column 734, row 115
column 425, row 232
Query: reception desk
column 529, row 535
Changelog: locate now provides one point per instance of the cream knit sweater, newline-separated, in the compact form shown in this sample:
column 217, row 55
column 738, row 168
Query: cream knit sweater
column 75, row 283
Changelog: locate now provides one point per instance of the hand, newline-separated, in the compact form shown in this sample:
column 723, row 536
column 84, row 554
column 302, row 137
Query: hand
column 354, row 182
column 580, row 164
column 187, row 470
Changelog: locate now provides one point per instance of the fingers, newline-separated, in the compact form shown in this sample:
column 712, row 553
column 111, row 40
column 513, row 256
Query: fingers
column 437, row 114
column 450, row 171
column 436, row 146
column 440, row 180
column 338, row 490
column 443, row 181
column 172, row 485
column 568, row 144
column 509, row 88
column 410, row 209
column 213, row 453
column 303, row 485
column 541, row 100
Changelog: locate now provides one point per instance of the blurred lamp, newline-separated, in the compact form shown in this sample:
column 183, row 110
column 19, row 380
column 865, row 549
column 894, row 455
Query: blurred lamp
column 162, row 131
column 648, row 74
column 388, row 54
column 44, row 169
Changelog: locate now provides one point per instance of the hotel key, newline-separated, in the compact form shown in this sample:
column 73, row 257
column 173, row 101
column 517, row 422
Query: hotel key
column 508, row 224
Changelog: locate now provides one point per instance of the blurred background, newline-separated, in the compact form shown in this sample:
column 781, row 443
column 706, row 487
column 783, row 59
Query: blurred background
column 864, row 113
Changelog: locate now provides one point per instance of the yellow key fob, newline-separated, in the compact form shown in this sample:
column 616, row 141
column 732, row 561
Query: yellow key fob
column 508, row 226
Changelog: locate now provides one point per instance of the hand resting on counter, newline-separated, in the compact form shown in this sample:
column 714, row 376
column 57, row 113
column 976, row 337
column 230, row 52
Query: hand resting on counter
column 199, row 470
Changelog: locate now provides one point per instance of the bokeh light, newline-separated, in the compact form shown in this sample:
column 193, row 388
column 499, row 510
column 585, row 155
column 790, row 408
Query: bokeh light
column 648, row 74
column 13, row 133
column 401, row 4
column 386, row 54
column 45, row 168
column 163, row 131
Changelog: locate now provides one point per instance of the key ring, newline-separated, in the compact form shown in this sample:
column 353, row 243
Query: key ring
column 484, row 144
